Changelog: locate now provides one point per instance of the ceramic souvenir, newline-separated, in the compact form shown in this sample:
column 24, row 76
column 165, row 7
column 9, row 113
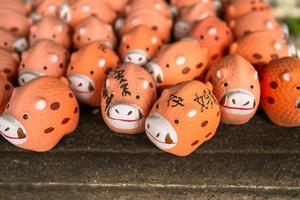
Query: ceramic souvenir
column 236, row 87
column 45, row 57
column 184, row 117
column 88, row 69
column 127, row 98
column 49, row 8
column 180, row 61
column 39, row 114
column 139, row 45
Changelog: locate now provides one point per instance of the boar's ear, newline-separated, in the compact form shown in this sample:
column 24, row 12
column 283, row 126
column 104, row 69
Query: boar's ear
column 64, row 80
column 233, row 48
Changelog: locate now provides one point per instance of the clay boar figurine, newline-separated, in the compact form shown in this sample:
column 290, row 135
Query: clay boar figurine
column 127, row 98
column 45, row 57
column 236, row 87
column 184, row 117
column 88, row 69
column 39, row 114
column 280, row 87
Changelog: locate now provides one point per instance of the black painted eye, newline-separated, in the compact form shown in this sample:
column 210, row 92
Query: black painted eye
column 53, row 36
column 252, row 86
column 176, row 121
column 72, row 67
column 89, row 39
column 92, row 72
column 147, row 49
column 157, row 106
column 127, row 46
column 298, row 87
column 25, row 116
column 23, row 65
column 225, row 84
column 7, row 106
column 137, row 96
column 167, row 65
column 45, row 68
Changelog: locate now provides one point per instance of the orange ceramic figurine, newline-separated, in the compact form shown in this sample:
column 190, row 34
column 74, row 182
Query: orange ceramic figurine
column 280, row 86
column 127, row 98
column 213, row 34
column 9, row 63
column 6, row 90
column 11, row 42
column 77, row 10
column 159, row 5
column 93, row 29
column 139, row 45
column 260, row 47
column 53, row 29
column 184, row 117
column 88, row 69
column 45, row 57
column 180, row 61
column 236, row 87
column 39, row 114
column 237, row 8
column 189, row 15
column 254, row 21
column 15, row 22
column 151, row 18
column 49, row 8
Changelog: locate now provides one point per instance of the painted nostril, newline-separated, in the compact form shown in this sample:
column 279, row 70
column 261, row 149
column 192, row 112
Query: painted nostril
column 7, row 129
column 140, row 58
column 129, row 113
column 157, row 135
column 298, row 106
column 129, row 58
column 247, row 103
column 148, row 125
column 233, row 101
column 79, row 85
column 23, row 80
column 117, row 111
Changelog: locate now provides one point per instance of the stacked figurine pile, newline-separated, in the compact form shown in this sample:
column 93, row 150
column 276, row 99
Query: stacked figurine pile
column 170, row 70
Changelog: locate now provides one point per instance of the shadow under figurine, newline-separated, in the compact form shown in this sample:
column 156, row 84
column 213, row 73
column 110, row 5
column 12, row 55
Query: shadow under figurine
column 236, row 87
column 127, row 98
column 280, row 87
column 185, row 116
column 39, row 114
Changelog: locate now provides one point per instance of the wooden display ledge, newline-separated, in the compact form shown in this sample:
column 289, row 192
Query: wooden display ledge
column 255, row 161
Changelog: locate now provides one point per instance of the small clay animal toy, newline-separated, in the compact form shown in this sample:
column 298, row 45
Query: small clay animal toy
column 184, row 117
column 15, row 22
column 159, row 5
column 188, row 16
column 254, row 21
column 213, row 34
column 88, row 69
column 151, row 18
column 180, row 61
column 9, row 63
column 77, row 10
column 236, row 8
column 260, row 47
column 11, row 42
column 39, row 114
column 280, row 88
column 139, row 45
column 53, row 29
column 6, row 90
column 93, row 29
column 236, row 87
column 17, row 6
column 45, row 57
column 50, row 8
column 127, row 98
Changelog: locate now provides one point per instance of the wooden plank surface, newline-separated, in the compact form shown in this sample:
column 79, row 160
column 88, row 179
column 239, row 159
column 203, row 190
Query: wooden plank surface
column 254, row 161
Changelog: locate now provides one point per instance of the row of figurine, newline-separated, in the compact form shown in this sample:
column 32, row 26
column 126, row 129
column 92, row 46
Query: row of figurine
column 127, row 84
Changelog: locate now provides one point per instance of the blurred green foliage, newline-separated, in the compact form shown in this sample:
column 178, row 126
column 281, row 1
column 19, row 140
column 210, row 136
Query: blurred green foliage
column 294, row 25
